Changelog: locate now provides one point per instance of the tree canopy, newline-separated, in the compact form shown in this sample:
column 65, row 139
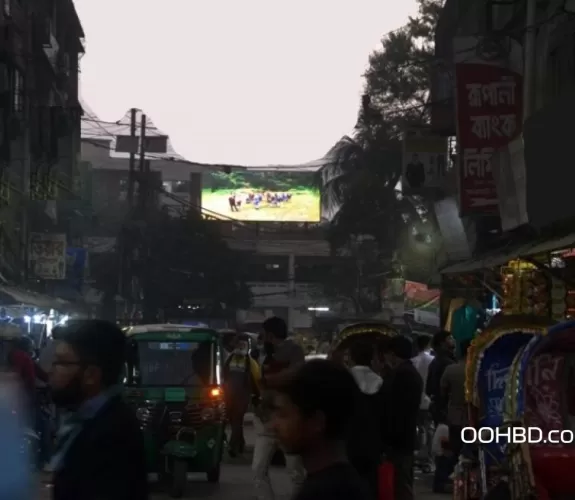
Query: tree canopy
column 360, row 187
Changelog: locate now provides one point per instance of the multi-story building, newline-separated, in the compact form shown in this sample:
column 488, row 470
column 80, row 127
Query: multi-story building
column 40, row 48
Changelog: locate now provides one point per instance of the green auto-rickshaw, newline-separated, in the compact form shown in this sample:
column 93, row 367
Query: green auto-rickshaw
column 173, row 381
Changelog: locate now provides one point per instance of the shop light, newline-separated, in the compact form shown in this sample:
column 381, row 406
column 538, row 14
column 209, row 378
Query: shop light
column 27, row 319
column 318, row 309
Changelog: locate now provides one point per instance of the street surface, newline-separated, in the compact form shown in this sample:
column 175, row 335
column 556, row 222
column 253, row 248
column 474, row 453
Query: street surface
column 237, row 483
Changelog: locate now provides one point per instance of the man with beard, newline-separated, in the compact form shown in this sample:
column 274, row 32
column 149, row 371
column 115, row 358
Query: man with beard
column 100, row 449
column 310, row 420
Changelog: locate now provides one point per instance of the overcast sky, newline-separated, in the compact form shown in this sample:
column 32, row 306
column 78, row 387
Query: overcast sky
column 251, row 82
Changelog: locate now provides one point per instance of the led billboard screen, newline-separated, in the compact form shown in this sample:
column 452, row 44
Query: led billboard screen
column 276, row 196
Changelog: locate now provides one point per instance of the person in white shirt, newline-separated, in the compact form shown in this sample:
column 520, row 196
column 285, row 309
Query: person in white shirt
column 421, row 362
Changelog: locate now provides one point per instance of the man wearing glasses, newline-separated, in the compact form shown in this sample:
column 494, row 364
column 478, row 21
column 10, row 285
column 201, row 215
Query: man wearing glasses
column 100, row 448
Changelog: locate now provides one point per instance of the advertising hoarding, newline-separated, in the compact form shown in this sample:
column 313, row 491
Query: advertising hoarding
column 272, row 196
column 47, row 255
column 424, row 160
column 489, row 117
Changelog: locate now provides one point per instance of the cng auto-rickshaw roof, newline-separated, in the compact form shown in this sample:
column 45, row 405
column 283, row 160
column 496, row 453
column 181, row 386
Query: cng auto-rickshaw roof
column 155, row 331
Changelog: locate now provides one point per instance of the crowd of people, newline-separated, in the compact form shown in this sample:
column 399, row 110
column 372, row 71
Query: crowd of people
column 336, row 423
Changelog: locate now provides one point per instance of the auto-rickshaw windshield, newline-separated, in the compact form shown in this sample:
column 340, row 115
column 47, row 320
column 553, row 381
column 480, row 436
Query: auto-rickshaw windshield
column 173, row 363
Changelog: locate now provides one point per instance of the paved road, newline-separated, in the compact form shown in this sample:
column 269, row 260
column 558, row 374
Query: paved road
column 237, row 484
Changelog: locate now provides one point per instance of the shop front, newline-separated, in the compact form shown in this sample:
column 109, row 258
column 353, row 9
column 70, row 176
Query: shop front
column 32, row 313
column 534, row 279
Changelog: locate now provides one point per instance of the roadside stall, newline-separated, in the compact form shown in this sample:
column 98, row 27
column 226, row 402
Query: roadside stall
column 32, row 313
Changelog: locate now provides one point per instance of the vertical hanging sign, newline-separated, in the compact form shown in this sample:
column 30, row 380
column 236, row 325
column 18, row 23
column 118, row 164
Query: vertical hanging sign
column 489, row 116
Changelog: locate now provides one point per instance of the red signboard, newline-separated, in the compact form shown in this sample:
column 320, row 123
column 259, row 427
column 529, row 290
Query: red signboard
column 489, row 116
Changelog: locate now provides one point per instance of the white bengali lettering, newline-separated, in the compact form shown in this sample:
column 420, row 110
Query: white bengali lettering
column 477, row 162
column 491, row 94
column 496, row 377
column 495, row 406
column 544, row 368
column 488, row 126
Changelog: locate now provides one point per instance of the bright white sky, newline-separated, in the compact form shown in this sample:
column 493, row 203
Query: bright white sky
column 250, row 82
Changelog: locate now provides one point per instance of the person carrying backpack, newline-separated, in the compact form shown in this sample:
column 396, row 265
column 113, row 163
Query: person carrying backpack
column 242, row 379
column 365, row 441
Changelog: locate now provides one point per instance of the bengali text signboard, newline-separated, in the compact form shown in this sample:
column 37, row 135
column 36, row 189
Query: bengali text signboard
column 489, row 117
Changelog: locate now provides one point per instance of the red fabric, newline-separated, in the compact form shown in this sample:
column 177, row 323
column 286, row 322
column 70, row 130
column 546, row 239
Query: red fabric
column 385, row 482
column 23, row 365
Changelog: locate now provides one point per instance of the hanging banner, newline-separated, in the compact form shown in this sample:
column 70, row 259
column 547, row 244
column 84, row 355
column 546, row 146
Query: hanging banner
column 424, row 161
column 489, row 116
column 47, row 256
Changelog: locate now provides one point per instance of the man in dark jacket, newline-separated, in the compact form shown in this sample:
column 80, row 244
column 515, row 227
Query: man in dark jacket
column 100, row 449
column 405, row 392
column 443, row 347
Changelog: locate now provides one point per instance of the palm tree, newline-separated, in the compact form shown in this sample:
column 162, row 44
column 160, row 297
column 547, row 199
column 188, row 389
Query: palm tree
column 362, row 196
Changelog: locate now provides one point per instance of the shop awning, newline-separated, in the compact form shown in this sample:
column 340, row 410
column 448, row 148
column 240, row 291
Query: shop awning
column 501, row 256
column 10, row 295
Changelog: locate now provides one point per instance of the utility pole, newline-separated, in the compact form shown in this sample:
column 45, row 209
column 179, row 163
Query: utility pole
column 141, row 212
column 142, row 178
column 131, row 173
column 125, row 287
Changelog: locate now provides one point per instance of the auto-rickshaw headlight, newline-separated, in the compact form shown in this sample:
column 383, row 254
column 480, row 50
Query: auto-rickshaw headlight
column 216, row 392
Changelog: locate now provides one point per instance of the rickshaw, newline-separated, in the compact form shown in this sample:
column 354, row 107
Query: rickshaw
column 173, row 380
column 540, row 394
column 489, row 361
column 370, row 331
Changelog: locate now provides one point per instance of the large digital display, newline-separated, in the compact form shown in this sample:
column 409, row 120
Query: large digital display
column 250, row 195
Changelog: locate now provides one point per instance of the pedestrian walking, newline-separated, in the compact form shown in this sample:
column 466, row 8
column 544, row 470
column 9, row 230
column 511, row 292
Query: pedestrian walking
column 365, row 441
column 405, row 392
column 422, row 361
column 100, row 448
column 311, row 419
column 241, row 376
column 443, row 348
column 283, row 358
column 453, row 392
